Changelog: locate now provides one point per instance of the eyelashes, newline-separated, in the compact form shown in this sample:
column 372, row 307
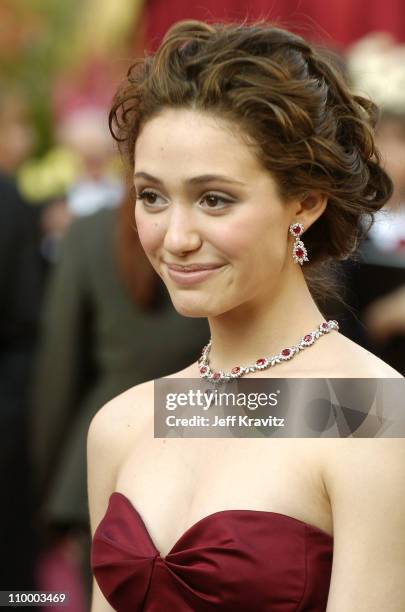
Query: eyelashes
column 208, row 197
column 217, row 198
column 144, row 195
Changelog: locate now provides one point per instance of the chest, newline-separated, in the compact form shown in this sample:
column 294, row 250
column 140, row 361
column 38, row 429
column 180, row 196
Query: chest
column 176, row 482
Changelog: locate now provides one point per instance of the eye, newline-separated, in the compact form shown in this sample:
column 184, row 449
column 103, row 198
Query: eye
column 213, row 199
column 149, row 198
column 214, row 202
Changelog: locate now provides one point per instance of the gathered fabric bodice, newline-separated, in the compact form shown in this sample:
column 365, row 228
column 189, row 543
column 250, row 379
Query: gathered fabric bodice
column 230, row 560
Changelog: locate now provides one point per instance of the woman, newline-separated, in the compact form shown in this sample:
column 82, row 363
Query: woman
column 107, row 308
column 239, row 136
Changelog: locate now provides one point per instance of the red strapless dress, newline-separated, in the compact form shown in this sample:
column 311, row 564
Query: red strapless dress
column 231, row 560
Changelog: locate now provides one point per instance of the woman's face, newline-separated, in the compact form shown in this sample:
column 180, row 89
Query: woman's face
column 203, row 199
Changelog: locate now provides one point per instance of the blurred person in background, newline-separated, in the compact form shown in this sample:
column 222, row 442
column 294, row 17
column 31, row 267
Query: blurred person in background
column 106, row 323
column 385, row 316
column 376, row 65
column 17, row 134
column 20, row 286
column 85, row 131
column 95, row 182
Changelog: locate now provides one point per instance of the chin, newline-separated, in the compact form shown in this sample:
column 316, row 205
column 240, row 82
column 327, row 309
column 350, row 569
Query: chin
column 193, row 306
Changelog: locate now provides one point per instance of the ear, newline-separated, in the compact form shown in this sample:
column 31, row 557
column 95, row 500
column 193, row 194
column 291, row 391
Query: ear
column 309, row 208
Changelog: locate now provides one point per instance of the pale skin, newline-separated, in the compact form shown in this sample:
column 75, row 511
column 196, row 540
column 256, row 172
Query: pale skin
column 257, row 302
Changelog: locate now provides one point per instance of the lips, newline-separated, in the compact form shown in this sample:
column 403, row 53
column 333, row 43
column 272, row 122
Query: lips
column 193, row 267
column 192, row 274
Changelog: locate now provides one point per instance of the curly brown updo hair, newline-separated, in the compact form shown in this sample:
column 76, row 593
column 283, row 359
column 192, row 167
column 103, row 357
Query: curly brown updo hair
column 312, row 133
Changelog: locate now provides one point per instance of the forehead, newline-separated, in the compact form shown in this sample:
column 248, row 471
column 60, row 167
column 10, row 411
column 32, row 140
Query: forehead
column 196, row 141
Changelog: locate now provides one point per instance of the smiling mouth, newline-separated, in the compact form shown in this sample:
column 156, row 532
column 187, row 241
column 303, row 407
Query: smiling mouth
column 193, row 274
column 193, row 267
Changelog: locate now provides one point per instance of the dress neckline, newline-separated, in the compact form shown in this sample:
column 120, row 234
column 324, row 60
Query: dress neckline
column 209, row 517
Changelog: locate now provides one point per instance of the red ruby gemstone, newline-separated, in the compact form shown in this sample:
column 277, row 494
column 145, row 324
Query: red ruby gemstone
column 260, row 361
column 308, row 337
column 235, row 370
column 203, row 369
column 216, row 375
column 296, row 229
column 285, row 352
column 325, row 326
column 299, row 252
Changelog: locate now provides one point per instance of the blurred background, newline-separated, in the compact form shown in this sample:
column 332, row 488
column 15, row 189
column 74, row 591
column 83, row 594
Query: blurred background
column 83, row 316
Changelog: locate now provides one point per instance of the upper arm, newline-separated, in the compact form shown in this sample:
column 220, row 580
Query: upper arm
column 101, row 463
column 365, row 479
column 112, row 430
column 100, row 482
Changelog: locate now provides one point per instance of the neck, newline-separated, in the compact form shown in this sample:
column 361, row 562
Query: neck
column 265, row 325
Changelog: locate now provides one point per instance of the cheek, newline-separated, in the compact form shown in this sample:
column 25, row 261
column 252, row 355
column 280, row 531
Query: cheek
column 150, row 232
column 257, row 248
column 252, row 238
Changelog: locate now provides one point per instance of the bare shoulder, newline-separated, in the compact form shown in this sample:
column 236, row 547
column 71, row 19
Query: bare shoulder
column 127, row 411
column 109, row 434
column 358, row 462
column 349, row 359
column 111, row 431
column 364, row 479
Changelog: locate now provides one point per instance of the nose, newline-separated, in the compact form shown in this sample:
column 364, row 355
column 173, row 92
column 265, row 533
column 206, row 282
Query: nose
column 182, row 233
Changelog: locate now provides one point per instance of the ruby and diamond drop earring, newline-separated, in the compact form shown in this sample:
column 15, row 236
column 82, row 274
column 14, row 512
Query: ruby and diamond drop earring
column 299, row 251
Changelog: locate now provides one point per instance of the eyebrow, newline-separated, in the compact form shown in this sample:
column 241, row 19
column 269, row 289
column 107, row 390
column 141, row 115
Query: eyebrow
column 203, row 178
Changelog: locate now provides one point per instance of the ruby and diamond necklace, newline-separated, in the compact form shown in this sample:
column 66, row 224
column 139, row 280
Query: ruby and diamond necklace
column 263, row 362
